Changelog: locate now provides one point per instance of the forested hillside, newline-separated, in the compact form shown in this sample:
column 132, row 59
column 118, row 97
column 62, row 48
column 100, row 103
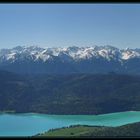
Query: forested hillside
column 71, row 94
column 129, row 130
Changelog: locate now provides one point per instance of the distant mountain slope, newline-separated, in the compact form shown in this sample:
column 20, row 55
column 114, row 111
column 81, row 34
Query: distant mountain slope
column 69, row 94
column 96, row 59
column 129, row 130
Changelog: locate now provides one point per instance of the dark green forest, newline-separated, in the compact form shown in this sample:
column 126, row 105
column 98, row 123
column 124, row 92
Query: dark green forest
column 69, row 94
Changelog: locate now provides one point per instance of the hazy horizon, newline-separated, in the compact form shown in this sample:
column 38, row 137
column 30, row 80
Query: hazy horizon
column 26, row 46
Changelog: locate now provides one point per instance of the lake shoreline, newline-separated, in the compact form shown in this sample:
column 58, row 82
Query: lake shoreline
column 16, row 113
column 30, row 124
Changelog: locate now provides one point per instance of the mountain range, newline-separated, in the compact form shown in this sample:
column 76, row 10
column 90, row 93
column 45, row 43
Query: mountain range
column 66, row 60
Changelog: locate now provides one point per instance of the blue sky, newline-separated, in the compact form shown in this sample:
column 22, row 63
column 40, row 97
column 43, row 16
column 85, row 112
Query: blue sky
column 62, row 25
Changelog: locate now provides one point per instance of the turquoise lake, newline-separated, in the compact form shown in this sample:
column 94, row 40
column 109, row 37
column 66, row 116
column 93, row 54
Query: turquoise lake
column 30, row 124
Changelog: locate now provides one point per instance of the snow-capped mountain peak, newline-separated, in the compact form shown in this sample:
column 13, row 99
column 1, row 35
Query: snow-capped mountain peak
column 71, row 53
